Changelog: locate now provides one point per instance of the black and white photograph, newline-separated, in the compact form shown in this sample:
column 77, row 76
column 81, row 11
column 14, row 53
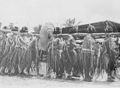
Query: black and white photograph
column 59, row 43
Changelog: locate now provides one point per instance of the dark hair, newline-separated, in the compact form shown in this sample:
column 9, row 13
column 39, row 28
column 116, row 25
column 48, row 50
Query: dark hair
column 24, row 29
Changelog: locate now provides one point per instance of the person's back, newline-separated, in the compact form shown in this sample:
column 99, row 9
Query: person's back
column 45, row 35
column 87, row 55
column 88, row 42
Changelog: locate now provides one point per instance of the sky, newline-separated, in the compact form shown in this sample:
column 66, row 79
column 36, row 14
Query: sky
column 34, row 12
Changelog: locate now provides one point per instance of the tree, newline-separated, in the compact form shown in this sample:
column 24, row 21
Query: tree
column 72, row 23
column 108, row 27
column 91, row 28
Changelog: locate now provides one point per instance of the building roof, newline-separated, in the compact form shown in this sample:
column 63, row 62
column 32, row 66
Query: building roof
column 99, row 27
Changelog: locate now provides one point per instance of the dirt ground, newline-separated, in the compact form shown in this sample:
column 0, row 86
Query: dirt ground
column 35, row 82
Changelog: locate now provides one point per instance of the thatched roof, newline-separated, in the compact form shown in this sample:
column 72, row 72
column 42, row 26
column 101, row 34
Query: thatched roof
column 99, row 26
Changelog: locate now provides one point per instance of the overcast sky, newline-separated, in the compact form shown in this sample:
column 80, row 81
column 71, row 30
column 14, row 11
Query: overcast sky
column 34, row 12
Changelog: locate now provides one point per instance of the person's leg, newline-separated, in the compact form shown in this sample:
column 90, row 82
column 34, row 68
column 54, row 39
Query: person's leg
column 87, row 58
column 61, row 69
column 2, row 70
column 110, row 72
column 39, row 57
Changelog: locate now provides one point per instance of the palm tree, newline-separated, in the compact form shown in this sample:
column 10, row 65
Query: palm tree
column 72, row 23
column 69, row 22
column 91, row 28
column 108, row 27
